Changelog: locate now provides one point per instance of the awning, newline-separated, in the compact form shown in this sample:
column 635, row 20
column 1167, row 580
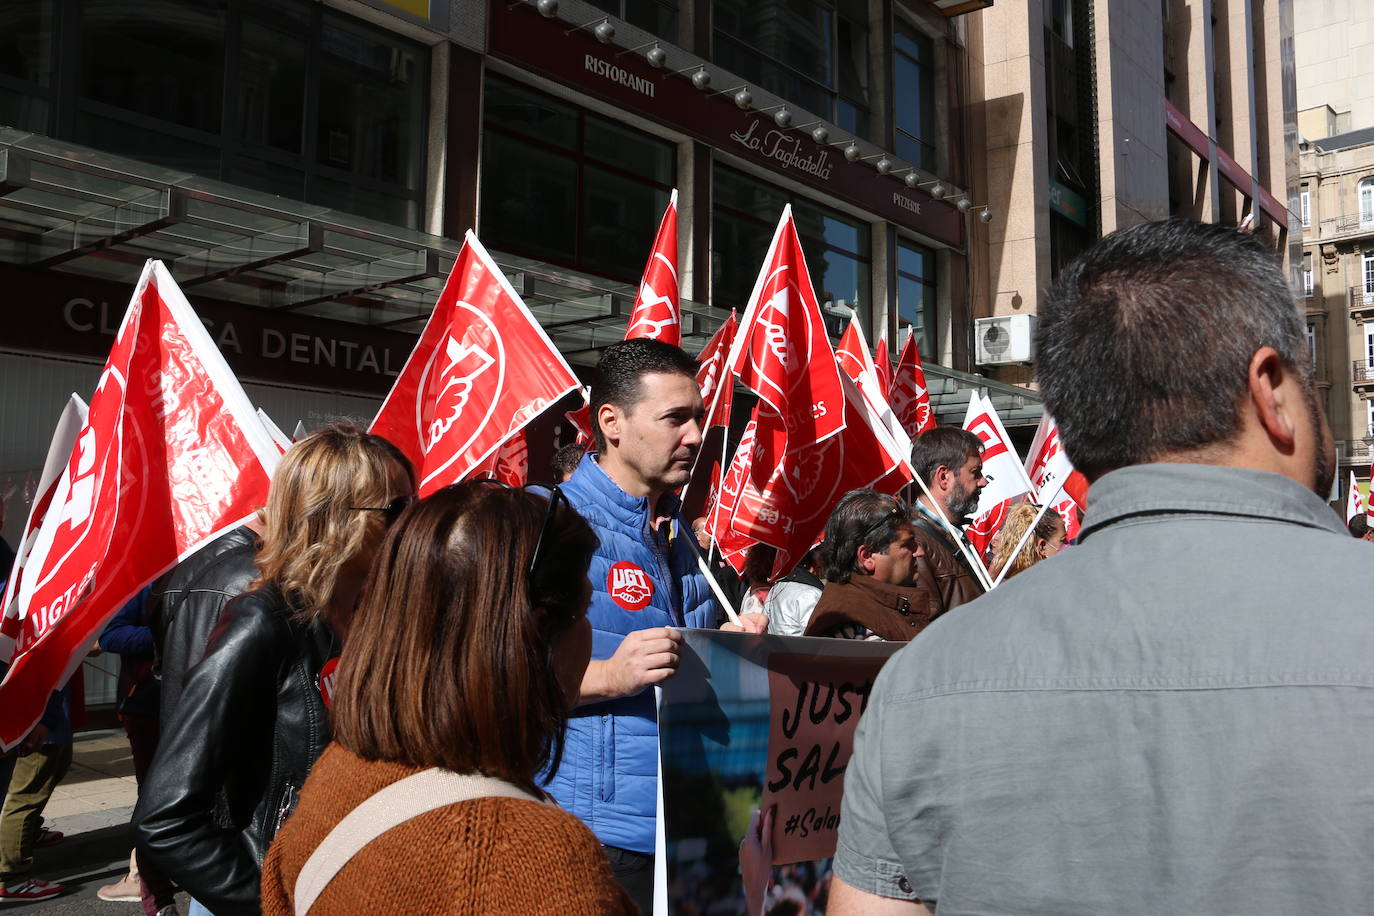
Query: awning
column 86, row 213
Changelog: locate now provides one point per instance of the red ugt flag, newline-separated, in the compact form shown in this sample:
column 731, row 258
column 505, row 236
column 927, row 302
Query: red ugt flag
column 713, row 374
column 657, row 313
column 171, row 455
column 510, row 463
column 1050, row 471
column 910, row 398
column 882, row 364
column 481, row 371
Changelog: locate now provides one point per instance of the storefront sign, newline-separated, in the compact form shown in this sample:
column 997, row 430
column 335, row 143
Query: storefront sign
column 1068, row 204
column 520, row 35
column 79, row 316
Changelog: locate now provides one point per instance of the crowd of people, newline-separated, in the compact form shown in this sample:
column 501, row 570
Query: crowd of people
column 365, row 702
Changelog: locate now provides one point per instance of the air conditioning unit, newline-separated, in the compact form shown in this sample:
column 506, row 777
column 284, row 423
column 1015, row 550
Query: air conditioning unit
column 1004, row 340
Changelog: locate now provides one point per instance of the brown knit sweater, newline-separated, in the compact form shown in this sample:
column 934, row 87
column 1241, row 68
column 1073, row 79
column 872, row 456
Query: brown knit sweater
column 488, row 855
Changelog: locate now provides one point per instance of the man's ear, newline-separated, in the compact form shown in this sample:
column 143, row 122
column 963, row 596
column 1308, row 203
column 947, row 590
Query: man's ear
column 865, row 557
column 1277, row 398
column 942, row 479
column 608, row 416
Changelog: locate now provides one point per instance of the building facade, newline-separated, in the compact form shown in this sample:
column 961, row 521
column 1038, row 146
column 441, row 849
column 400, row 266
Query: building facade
column 1102, row 114
column 1336, row 209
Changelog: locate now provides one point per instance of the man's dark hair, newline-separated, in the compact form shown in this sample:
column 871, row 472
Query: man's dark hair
column 862, row 518
column 1358, row 526
column 621, row 367
column 566, row 459
column 1144, row 344
column 943, row 446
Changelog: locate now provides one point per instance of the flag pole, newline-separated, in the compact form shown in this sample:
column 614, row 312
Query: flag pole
column 1021, row 543
column 711, row 580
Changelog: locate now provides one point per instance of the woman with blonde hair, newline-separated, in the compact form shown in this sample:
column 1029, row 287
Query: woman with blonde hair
column 467, row 652
column 1045, row 541
column 253, row 717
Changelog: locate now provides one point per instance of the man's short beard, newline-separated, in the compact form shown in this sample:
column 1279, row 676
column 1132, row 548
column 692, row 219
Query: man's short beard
column 962, row 506
column 1326, row 458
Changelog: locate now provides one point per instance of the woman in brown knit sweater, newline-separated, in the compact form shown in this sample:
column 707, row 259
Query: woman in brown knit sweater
column 466, row 653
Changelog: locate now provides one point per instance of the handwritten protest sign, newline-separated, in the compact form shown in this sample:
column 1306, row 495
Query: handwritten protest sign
column 814, row 708
column 749, row 722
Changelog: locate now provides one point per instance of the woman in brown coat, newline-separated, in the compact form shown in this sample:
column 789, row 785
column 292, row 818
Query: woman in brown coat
column 466, row 653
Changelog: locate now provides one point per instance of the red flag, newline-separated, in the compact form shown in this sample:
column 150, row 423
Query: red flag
column 882, row 364
column 69, row 424
column 1072, row 515
column 855, row 363
column 657, row 314
column 510, row 463
column 1049, row 468
column 910, row 397
column 481, row 371
column 724, row 499
column 171, row 455
column 982, row 529
column 581, row 419
column 713, row 359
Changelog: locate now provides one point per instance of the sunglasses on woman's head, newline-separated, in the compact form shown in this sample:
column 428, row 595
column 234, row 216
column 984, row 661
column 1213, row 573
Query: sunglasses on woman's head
column 392, row 510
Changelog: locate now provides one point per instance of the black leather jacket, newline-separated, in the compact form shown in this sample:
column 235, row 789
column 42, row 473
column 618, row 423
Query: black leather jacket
column 189, row 604
column 248, row 728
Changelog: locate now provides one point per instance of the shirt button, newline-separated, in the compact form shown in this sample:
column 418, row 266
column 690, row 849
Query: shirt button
column 904, row 885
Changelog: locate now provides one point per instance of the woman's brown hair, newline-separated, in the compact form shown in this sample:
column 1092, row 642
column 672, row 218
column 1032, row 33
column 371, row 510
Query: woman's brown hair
column 450, row 659
column 311, row 528
column 1013, row 529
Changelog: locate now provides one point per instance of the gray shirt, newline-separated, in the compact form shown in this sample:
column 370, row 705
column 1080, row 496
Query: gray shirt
column 1175, row 716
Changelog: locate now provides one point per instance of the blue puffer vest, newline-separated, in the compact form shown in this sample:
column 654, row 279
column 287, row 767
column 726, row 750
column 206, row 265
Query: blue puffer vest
column 610, row 760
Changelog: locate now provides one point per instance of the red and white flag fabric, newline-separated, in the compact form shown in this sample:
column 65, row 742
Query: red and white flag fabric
column 856, row 364
column 511, row 462
column 1051, row 473
column 882, row 362
column 1354, row 503
column 910, row 397
column 1369, row 503
column 171, row 455
column 274, row 432
column 1002, row 467
column 813, row 438
column 69, row 424
column 481, row 371
column 657, row 313
column 713, row 375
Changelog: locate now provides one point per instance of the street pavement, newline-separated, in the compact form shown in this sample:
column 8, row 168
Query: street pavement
column 92, row 807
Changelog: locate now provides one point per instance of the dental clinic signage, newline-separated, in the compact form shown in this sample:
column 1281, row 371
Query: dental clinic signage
column 520, row 35
column 79, row 316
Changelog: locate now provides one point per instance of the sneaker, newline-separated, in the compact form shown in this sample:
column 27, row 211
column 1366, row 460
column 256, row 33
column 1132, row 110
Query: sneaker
column 48, row 837
column 126, row 890
column 32, row 889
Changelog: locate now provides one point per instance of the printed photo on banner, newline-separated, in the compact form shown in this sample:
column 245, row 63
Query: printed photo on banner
column 753, row 726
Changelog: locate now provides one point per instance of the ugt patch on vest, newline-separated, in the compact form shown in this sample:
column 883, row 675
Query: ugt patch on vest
column 629, row 586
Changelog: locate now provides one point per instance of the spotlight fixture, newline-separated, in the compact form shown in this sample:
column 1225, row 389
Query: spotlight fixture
column 783, row 118
column 656, row 57
column 851, row 152
column 605, row 32
column 985, row 214
column 963, row 204
column 547, row 8
column 820, row 135
column 743, row 100
column 937, row 188
column 883, row 165
column 701, row 79
column 912, row 178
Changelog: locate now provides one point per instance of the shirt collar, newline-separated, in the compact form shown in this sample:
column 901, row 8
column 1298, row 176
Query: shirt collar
column 1161, row 488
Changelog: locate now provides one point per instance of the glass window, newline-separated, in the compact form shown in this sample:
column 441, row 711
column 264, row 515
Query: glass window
column 286, row 97
column 1305, row 205
column 1367, row 202
column 26, row 63
column 813, row 53
column 916, row 295
column 656, row 16
column 163, row 59
column 742, row 225
column 566, row 186
column 913, row 96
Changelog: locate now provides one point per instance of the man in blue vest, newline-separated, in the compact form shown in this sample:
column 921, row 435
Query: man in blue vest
column 647, row 418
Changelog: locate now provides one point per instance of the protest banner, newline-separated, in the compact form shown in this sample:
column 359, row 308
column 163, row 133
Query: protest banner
column 753, row 723
column 481, row 371
column 171, row 454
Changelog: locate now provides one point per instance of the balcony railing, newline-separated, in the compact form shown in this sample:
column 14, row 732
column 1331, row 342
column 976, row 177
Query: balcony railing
column 1345, row 226
column 1362, row 372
